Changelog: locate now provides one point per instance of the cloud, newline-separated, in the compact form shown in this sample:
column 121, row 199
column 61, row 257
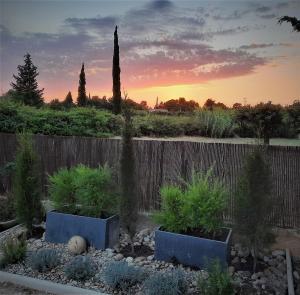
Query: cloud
column 263, row 9
column 268, row 16
column 257, row 46
column 160, row 5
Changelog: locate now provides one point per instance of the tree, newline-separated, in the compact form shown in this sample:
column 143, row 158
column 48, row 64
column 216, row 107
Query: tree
column 68, row 102
column 26, row 86
column 55, row 104
column 27, row 184
column 82, row 99
column 128, row 208
column 211, row 104
column 293, row 20
column 116, row 99
column 253, row 204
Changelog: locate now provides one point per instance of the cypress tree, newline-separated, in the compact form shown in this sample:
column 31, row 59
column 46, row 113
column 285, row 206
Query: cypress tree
column 26, row 86
column 116, row 99
column 68, row 102
column 27, row 184
column 128, row 209
column 82, row 100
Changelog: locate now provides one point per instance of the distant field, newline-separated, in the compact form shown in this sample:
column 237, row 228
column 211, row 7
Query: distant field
column 274, row 141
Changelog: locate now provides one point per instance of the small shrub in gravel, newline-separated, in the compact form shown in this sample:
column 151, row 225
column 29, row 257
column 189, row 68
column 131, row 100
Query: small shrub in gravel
column 44, row 259
column 218, row 281
column 171, row 283
column 13, row 251
column 120, row 275
column 81, row 268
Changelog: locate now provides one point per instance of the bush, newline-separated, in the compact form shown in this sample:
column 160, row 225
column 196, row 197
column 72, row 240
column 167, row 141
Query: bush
column 120, row 275
column 44, row 260
column 253, row 204
column 199, row 206
column 13, row 251
column 27, row 184
column 83, row 190
column 218, row 281
column 81, row 268
column 172, row 283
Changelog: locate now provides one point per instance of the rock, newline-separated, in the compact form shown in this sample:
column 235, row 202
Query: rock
column 235, row 260
column 119, row 257
column 243, row 260
column 231, row 270
column 296, row 275
column 77, row 245
column 243, row 252
column 278, row 253
column 129, row 259
column 150, row 258
column 233, row 253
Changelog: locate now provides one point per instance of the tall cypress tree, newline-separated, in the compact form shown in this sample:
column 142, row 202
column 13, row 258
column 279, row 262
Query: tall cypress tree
column 26, row 86
column 116, row 99
column 129, row 206
column 82, row 100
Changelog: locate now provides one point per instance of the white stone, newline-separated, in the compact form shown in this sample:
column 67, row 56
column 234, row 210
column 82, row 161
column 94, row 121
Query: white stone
column 77, row 245
column 119, row 257
column 129, row 259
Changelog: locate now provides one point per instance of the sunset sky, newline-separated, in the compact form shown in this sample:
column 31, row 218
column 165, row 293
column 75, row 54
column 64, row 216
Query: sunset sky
column 231, row 51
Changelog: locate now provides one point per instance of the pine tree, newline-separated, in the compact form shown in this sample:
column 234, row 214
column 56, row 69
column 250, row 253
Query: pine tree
column 128, row 209
column 26, row 86
column 116, row 99
column 27, row 185
column 68, row 102
column 82, row 100
column 253, row 204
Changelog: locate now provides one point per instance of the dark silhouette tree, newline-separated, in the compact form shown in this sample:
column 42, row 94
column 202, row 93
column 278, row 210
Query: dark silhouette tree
column 82, row 99
column 68, row 102
column 293, row 20
column 128, row 204
column 253, row 204
column 26, row 86
column 116, row 99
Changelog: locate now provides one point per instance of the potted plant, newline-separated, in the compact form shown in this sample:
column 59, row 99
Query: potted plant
column 85, row 204
column 191, row 229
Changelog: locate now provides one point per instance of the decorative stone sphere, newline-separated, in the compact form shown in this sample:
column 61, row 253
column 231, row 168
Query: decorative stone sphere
column 76, row 245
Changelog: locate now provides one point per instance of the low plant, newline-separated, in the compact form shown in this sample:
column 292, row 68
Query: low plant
column 197, row 206
column 84, row 190
column 218, row 281
column 44, row 259
column 13, row 251
column 81, row 268
column 120, row 275
column 171, row 283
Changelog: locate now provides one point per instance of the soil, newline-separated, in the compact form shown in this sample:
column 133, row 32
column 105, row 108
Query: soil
column 11, row 289
column 141, row 250
column 220, row 235
column 248, row 266
column 37, row 232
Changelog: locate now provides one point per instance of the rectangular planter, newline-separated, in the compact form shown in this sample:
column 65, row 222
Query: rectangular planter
column 99, row 233
column 190, row 250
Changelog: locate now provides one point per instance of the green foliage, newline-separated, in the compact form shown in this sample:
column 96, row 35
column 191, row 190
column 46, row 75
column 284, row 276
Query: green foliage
column 129, row 201
column 82, row 99
column 76, row 121
column 254, row 204
column 44, row 259
column 198, row 206
column 7, row 211
column 83, row 190
column 218, row 281
column 25, row 86
column 27, row 184
column 172, row 283
column 120, row 275
column 81, row 268
column 116, row 99
column 13, row 251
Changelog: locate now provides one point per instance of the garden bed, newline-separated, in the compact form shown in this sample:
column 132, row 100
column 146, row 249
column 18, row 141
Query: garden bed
column 268, row 280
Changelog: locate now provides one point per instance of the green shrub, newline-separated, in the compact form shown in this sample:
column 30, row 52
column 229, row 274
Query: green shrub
column 81, row 268
column 44, row 259
column 27, row 184
column 83, row 190
column 198, row 206
column 172, row 283
column 218, row 281
column 13, row 251
column 120, row 275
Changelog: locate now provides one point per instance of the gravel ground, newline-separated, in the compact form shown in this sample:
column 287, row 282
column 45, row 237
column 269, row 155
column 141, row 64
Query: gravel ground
column 11, row 289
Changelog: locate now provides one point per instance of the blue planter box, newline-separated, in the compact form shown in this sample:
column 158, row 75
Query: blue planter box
column 99, row 233
column 190, row 250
